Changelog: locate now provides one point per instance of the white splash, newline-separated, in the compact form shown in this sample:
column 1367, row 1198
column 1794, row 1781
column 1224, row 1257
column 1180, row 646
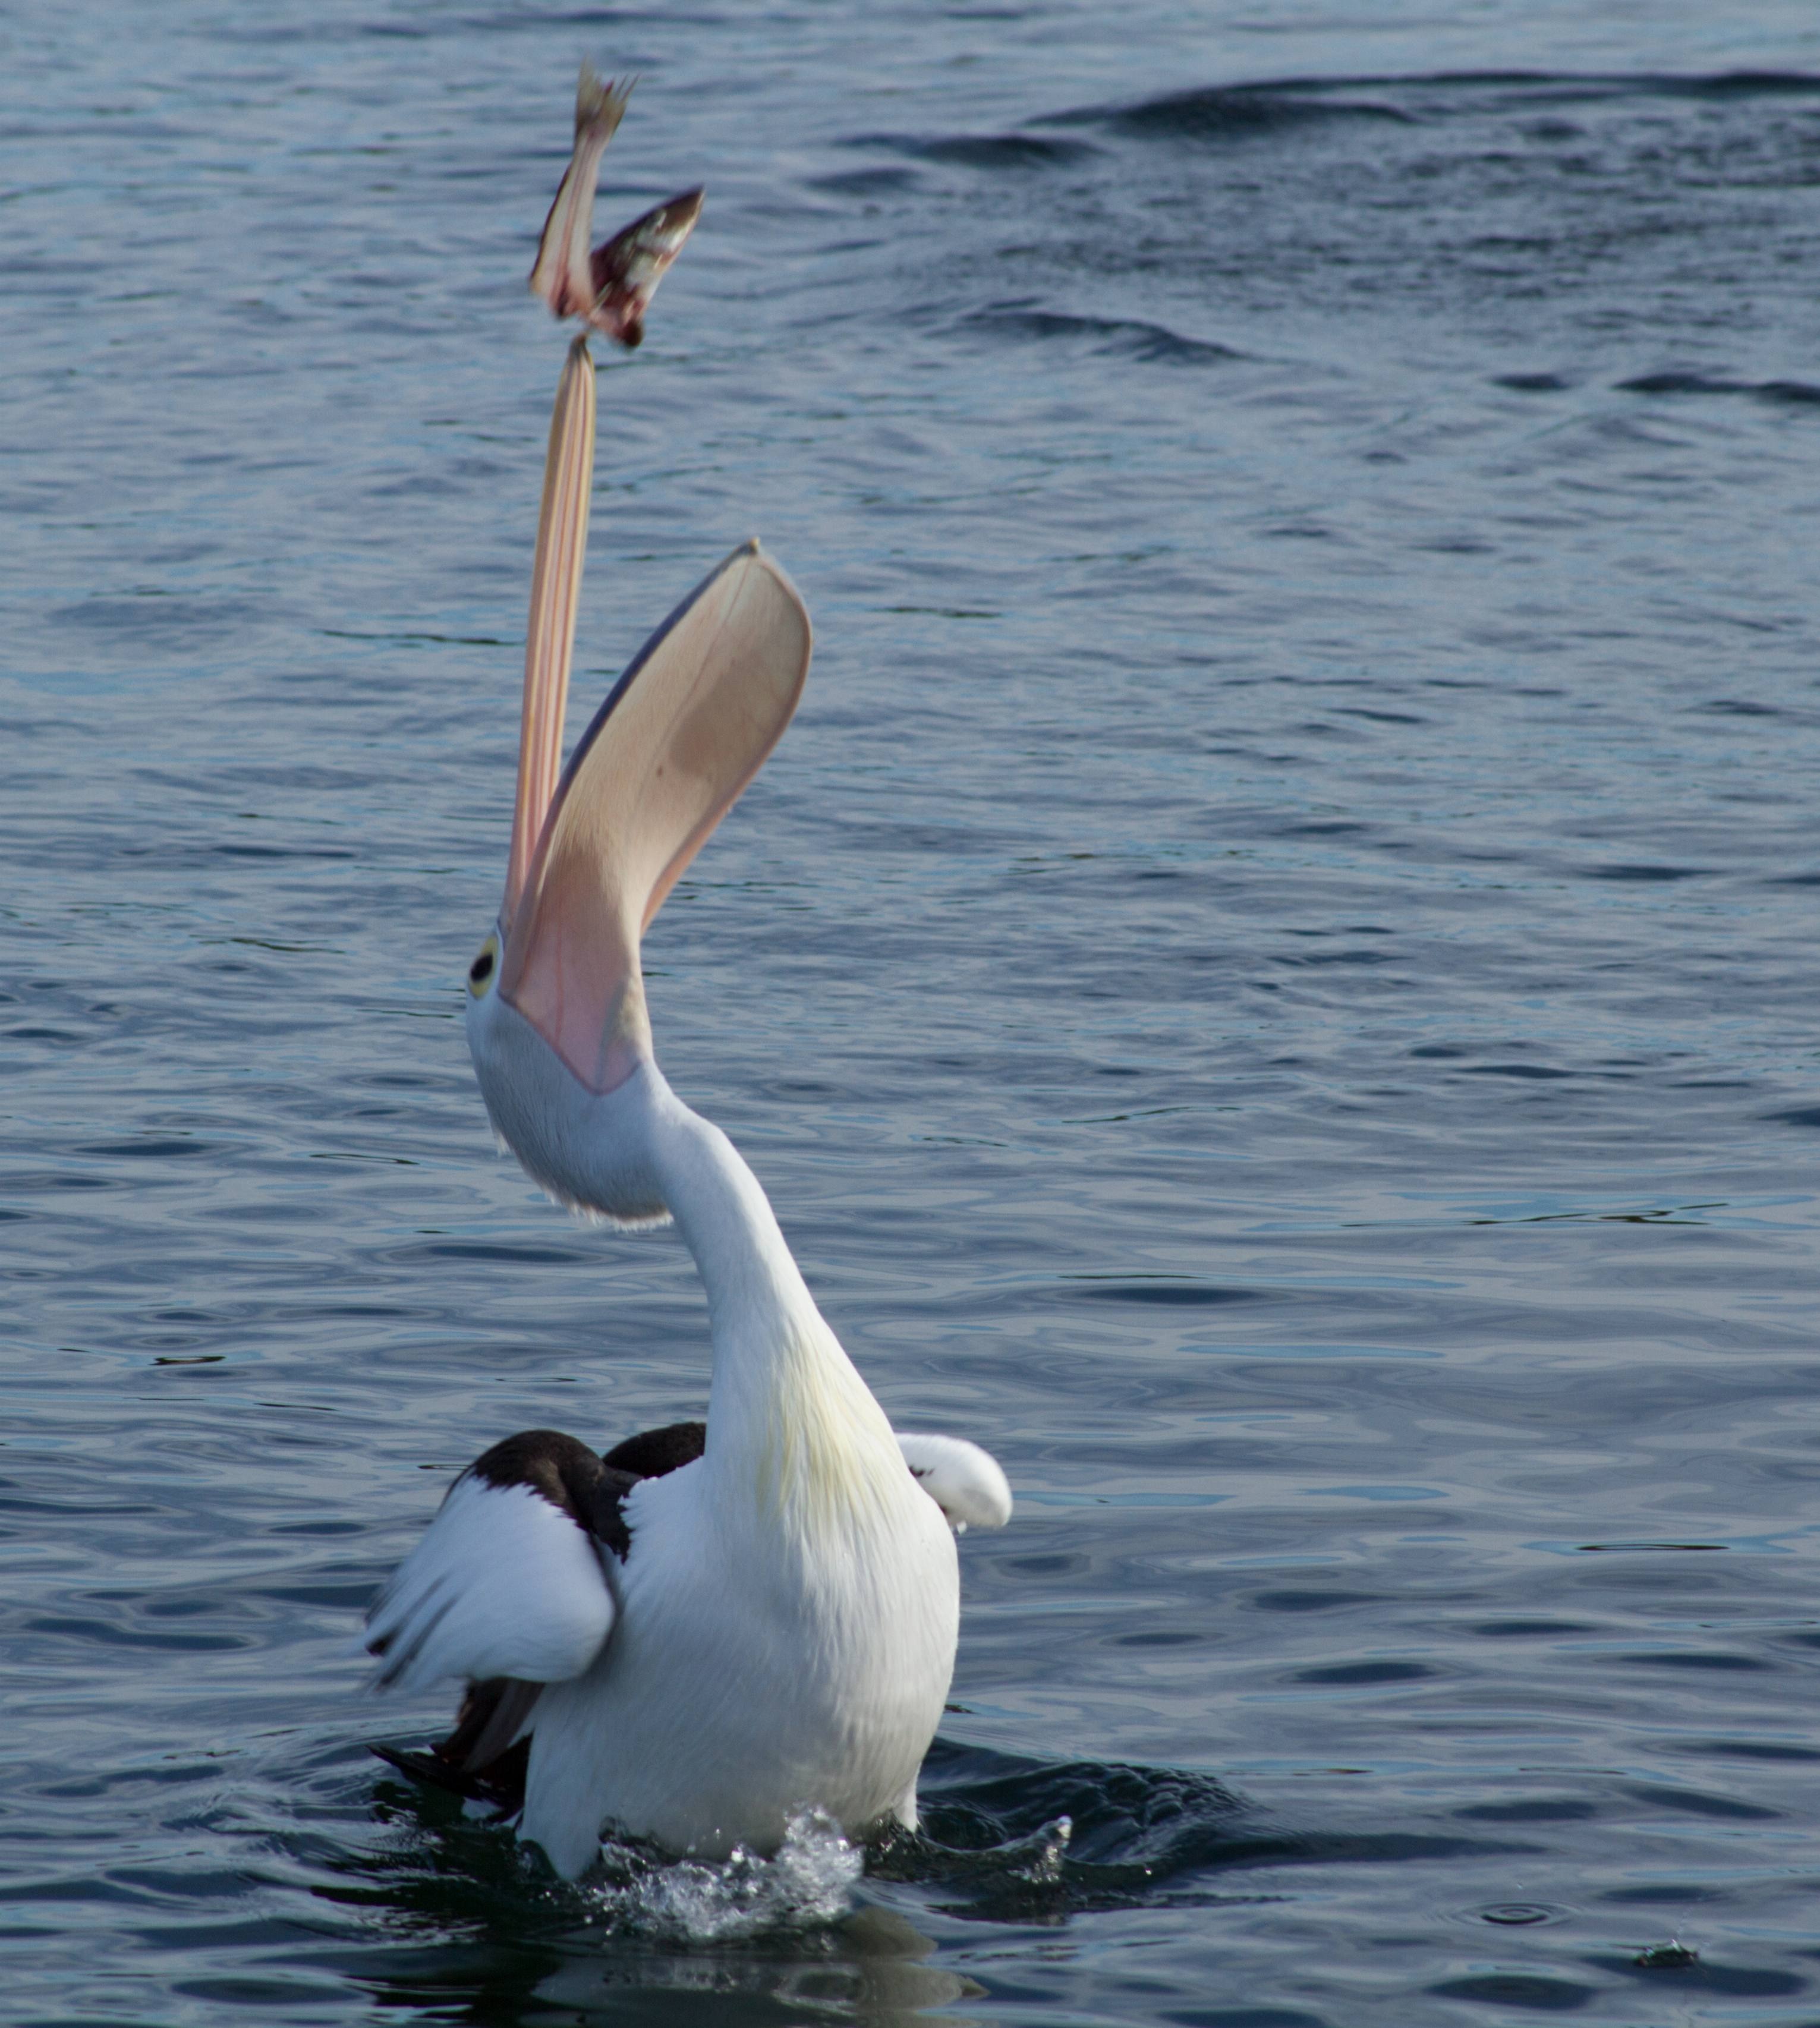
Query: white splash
column 808, row 1880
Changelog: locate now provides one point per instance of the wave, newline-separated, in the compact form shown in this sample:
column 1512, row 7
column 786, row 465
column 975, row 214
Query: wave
column 1006, row 1839
column 1238, row 112
column 1788, row 393
column 1131, row 337
column 1234, row 113
column 1014, row 151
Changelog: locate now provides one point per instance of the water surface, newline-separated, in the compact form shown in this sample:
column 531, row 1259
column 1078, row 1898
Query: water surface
column 1272, row 981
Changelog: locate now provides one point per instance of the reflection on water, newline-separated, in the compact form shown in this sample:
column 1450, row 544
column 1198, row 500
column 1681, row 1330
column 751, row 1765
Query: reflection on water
column 869, row 1969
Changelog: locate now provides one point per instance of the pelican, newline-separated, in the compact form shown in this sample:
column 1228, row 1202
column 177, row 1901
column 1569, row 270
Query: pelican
column 693, row 1637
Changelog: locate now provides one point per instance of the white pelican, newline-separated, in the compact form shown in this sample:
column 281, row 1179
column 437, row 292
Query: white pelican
column 712, row 1626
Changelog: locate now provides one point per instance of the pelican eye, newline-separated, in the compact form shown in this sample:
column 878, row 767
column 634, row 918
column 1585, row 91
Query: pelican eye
column 480, row 970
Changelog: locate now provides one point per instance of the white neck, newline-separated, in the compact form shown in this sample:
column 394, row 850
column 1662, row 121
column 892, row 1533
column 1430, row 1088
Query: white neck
column 791, row 1424
column 753, row 1284
column 789, row 1420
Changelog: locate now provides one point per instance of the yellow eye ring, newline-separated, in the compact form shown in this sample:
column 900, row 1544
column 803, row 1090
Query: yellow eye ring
column 480, row 973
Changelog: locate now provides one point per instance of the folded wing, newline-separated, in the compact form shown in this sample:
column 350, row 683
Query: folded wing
column 962, row 1480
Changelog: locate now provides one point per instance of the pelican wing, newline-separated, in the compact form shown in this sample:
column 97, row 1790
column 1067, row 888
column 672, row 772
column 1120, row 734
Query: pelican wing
column 508, row 1580
column 962, row 1480
column 685, row 728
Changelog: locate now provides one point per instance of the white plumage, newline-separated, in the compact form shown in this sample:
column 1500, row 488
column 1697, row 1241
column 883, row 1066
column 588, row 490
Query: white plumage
column 962, row 1480
column 774, row 1653
column 502, row 1585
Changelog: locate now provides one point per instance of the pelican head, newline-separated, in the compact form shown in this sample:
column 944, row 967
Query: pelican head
column 556, row 1020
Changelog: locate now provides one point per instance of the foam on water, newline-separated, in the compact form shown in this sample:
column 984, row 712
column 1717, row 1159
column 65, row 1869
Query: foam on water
column 809, row 1880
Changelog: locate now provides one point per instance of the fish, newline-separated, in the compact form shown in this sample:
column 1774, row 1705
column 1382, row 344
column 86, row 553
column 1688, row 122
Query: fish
column 609, row 289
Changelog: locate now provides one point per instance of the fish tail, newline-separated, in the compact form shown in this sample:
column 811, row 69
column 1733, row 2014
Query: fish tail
column 600, row 103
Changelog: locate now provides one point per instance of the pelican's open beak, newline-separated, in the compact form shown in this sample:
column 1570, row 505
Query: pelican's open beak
column 556, row 585
column 684, row 730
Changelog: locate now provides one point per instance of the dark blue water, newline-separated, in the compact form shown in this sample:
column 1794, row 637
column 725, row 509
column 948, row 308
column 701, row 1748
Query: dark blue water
column 1273, row 982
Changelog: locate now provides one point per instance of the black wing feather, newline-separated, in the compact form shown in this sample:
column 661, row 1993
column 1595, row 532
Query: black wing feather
column 658, row 1452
